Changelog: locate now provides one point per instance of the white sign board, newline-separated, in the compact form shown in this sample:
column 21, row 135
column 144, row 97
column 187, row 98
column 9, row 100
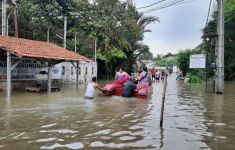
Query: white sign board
column 56, row 72
column 27, row 70
column 197, row 61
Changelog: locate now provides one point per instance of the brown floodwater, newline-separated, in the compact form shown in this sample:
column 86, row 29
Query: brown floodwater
column 193, row 120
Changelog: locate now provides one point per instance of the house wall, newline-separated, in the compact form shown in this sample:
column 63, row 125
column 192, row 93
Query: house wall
column 86, row 71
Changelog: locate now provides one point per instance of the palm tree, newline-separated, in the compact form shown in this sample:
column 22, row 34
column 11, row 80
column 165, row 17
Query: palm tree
column 139, row 48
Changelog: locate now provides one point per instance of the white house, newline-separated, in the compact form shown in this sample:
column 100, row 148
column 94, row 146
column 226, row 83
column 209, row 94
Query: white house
column 67, row 72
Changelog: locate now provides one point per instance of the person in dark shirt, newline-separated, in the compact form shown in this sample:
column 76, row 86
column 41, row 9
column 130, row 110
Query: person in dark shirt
column 129, row 88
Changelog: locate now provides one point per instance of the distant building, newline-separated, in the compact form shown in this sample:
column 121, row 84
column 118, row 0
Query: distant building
column 170, row 58
column 86, row 70
column 148, row 63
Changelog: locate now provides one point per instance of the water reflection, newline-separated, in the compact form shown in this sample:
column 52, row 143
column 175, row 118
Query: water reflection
column 193, row 119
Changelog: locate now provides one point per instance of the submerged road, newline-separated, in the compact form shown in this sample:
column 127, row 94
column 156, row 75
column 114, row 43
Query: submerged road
column 193, row 119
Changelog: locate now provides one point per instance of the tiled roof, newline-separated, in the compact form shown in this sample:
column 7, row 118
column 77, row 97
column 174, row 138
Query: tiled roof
column 37, row 49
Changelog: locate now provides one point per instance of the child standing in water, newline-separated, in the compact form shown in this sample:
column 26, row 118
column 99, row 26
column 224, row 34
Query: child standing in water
column 91, row 88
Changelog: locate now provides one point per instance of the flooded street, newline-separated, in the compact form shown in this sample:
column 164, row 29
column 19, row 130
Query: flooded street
column 193, row 119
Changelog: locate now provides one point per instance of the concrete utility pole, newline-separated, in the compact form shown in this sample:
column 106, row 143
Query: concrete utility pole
column 95, row 49
column 65, row 31
column 4, row 16
column 4, row 32
column 75, row 42
column 219, row 79
column 48, row 33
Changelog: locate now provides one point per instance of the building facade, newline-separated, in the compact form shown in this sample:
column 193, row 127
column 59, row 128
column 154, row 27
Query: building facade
column 25, row 74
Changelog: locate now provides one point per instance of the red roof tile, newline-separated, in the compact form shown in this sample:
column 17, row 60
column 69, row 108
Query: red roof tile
column 37, row 49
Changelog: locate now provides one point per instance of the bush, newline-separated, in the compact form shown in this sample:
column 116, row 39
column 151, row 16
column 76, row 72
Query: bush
column 195, row 79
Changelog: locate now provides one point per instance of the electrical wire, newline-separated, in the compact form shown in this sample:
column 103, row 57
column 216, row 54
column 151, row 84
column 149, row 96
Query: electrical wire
column 150, row 4
column 208, row 14
column 169, row 4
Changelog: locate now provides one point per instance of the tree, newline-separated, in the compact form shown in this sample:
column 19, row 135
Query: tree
column 209, row 41
column 117, row 26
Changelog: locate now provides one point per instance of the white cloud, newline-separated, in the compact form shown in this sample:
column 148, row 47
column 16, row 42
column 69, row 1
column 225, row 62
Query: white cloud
column 181, row 26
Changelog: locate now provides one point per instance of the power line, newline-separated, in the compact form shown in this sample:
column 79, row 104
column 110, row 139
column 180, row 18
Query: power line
column 164, row 5
column 151, row 4
column 207, row 19
column 169, row 4
column 184, row 2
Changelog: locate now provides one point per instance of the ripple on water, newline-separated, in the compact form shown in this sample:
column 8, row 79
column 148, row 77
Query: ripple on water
column 127, row 138
column 77, row 145
column 121, row 133
column 220, row 137
column 49, row 125
column 101, row 132
column 17, row 136
column 220, row 124
column 47, row 140
column 105, row 137
column 110, row 145
column 127, row 115
column 63, row 131
column 139, row 144
column 133, row 121
column 135, row 127
column 99, row 124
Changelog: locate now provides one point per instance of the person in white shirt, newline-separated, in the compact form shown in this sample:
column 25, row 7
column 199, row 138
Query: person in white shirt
column 91, row 86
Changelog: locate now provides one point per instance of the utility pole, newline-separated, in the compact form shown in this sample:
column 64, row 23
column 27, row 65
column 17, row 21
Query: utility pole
column 219, row 78
column 48, row 33
column 75, row 42
column 7, row 24
column 65, row 31
column 16, row 21
column 96, row 57
column 4, row 32
column 95, row 48
column 4, row 16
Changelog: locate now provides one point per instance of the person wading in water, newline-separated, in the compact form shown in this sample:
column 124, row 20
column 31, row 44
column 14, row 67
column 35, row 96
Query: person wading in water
column 91, row 86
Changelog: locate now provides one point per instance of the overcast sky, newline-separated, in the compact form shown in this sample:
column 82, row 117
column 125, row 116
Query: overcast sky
column 180, row 26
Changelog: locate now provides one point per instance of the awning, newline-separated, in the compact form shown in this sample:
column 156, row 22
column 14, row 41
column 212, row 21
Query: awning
column 37, row 49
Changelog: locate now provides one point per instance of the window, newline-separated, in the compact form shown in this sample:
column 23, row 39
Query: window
column 86, row 71
column 92, row 71
column 71, row 70
column 63, row 70
column 79, row 70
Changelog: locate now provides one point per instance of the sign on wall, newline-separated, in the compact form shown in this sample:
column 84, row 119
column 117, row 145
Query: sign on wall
column 197, row 61
column 27, row 70
column 56, row 71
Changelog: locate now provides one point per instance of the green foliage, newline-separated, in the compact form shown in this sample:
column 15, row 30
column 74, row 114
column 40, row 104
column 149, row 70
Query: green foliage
column 164, row 62
column 195, row 79
column 118, row 27
column 209, row 44
column 183, row 58
column 146, row 56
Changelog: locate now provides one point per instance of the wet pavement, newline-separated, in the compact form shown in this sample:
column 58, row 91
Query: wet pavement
column 193, row 120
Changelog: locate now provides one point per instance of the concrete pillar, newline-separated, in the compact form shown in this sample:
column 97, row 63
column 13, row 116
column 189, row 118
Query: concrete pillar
column 8, row 94
column 49, row 79
column 219, row 81
column 77, row 72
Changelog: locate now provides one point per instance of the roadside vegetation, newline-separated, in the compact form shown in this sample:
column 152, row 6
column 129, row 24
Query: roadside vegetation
column 117, row 26
column 119, row 30
column 166, row 60
column 208, row 47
